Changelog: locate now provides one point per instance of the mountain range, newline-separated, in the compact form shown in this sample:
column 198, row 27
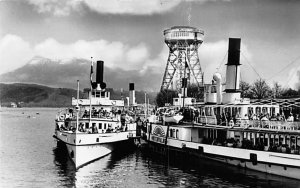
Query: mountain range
column 33, row 95
column 52, row 83
column 65, row 73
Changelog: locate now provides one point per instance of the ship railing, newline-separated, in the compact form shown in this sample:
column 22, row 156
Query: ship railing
column 211, row 120
column 284, row 125
column 274, row 125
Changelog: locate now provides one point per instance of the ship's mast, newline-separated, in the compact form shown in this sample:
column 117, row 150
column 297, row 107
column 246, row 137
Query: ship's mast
column 91, row 90
column 77, row 106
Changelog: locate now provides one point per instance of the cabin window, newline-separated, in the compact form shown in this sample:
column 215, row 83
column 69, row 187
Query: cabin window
column 104, row 125
column 98, row 94
column 86, row 125
column 100, row 125
column 272, row 110
column 207, row 89
column 208, row 111
column 213, row 89
column 93, row 93
column 250, row 111
column 177, row 133
column 176, row 100
column 214, row 110
column 93, row 124
column 257, row 110
column 170, row 133
column 227, row 111
column 264, row 110
column 103, row 94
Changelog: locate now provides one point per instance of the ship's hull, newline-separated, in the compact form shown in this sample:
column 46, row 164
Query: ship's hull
column 231, row 156
column 82, row 153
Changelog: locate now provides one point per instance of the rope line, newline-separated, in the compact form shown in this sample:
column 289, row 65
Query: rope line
column 250, row 65
column 292, row 62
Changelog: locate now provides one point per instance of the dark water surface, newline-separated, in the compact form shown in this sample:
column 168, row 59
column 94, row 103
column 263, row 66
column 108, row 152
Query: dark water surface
column 30, row 158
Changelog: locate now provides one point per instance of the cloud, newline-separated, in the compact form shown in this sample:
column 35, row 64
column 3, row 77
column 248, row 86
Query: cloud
column 131, row 7
column 213, row 57
column 294, row 78
column 137, row 54
column 15, row 52
column 56, row 7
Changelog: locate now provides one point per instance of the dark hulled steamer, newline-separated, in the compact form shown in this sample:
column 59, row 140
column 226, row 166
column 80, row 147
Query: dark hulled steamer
column 228, row 128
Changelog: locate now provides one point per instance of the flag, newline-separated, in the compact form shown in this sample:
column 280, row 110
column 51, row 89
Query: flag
column 91, row 72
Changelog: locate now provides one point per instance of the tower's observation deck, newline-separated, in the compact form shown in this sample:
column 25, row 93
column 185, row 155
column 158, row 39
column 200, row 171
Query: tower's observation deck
column 184, row 33
column 183, row 60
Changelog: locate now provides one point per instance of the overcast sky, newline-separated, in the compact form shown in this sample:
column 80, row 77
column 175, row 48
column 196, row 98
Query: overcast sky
column 128, row 34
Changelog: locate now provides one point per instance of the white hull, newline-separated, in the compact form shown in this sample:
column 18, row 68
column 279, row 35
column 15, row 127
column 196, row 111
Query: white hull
column 84, row 154
column 85, row 148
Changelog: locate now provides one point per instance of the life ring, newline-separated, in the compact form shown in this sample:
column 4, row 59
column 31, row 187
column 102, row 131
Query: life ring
column 61, row 117
column 231, row 123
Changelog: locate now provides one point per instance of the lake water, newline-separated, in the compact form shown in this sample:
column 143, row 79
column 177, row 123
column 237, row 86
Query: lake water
column 30, row 158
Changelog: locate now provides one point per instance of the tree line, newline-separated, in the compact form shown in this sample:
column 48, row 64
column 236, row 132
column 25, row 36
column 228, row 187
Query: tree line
column 258, row 90
column 261, row 90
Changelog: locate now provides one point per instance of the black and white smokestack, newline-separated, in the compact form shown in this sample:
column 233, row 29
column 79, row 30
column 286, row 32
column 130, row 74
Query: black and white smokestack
column 234, row 49
column 131, row 86
column 100, row 70
column 233, row 66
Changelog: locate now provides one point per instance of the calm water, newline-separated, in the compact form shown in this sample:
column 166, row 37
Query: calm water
column 29, row 158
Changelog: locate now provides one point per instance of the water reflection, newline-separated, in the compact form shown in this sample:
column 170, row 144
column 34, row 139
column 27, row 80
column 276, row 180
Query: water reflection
column 65, row 169
column 207, row 173
column 135, row 168
column 102, row 172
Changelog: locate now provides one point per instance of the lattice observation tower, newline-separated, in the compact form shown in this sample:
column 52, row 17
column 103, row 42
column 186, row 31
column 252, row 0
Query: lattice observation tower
column 183, row 60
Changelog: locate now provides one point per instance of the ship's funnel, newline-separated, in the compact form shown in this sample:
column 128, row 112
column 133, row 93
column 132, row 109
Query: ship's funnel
column 232, row 92
column 234, row 48
column 100, row 70
column 131, row 94
column 99, row 75
column 233, row 65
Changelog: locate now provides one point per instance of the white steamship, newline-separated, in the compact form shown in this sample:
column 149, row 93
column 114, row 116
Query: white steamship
column 97, row 125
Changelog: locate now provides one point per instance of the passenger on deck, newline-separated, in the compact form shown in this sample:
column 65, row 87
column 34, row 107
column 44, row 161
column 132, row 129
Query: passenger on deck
column 290, row 118
column 94, row 129
column 231, row 123
column 85, row 114
column 279, row 117
column 265, row 122
column 109, row 129
column 81, row 128
column 273, row 117
column 296, row 117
